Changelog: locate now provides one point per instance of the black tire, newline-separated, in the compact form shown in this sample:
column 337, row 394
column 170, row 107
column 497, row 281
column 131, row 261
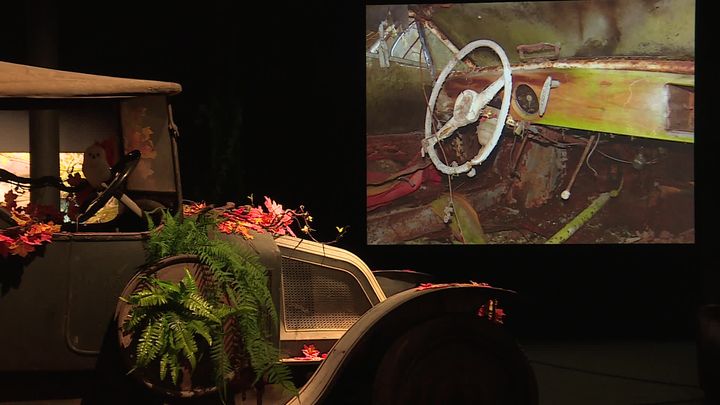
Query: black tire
column 455, row 359
column 111, row 384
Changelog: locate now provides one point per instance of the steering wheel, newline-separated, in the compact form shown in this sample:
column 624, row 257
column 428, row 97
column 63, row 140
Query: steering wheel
column 468, row 106
column 121, row 171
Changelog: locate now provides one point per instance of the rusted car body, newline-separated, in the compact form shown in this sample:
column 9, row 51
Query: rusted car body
column 60, row 303
column 600, row 100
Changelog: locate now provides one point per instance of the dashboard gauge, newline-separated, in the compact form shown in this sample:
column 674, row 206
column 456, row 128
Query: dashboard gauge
column 526, row 99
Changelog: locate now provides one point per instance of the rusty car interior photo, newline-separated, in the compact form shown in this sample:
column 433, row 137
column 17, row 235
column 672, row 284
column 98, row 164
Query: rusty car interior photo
column 556, row 122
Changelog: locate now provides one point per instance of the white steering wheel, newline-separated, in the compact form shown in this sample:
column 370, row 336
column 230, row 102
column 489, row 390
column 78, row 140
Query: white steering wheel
column 468, row 107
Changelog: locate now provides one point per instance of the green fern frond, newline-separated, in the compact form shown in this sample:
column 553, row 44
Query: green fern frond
column 145, row 346
column 151, row 297
column 222, row 366
column 152, row 341
column 175, row 369
column 164, row 361
column 220, row 359
column 280, row 374
column 198, row 306
column 189, row 282
column 134, row 319
column 183, row 340
column 198, row 327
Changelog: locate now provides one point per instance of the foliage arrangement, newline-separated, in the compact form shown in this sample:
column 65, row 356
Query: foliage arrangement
column 275, row 219
column 171, row 318
column 235, row 300
column 35, row 227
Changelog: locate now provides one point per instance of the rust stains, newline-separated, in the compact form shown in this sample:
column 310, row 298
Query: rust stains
column 539, row 174
column 643, row 64
column 404, row 226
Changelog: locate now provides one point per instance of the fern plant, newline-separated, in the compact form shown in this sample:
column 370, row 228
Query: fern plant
column 169, row 319
column 172, row 317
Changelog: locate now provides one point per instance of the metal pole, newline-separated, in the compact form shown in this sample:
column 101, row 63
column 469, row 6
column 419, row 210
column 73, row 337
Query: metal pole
column 43, row 124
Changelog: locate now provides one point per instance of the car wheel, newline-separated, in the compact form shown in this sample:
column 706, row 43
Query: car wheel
column 455, row 359
column 111, row 384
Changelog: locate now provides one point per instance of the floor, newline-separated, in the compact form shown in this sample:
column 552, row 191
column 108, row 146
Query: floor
column 615, row 372
column 618, row 372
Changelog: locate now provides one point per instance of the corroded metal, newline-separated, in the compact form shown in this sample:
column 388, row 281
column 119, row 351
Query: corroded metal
column 403, row 226
column 566, row 193
column 539, row 172
column 589, row 28
column 649, row 64
column 534, row 51
column 444, row 39
column 591, row 97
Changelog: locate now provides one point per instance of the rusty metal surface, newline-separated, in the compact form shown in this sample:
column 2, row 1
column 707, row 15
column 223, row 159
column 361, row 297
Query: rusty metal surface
column 617, row 61
column 402, row 147
column 403, row 226
column 444, row 39
column 539, row 50
column 656, row 204
column 539, row 173
column 587, row 28
column 646, row 64
column 625, row 102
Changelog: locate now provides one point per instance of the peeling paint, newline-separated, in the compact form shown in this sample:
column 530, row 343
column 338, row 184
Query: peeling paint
column 590, row 97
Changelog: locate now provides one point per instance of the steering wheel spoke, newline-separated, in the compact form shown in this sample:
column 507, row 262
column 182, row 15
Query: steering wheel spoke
column 467, row 109
column 121, row 174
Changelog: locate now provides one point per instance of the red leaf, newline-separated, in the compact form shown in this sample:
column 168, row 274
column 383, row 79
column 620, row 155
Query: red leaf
column 5, row 243
column 310, row 351
column 21, row 249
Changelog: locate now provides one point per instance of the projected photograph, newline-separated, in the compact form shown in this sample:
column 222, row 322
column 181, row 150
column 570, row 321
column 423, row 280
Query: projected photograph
column 530, row 123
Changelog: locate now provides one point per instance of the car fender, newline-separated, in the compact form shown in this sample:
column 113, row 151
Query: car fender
column 348, row 372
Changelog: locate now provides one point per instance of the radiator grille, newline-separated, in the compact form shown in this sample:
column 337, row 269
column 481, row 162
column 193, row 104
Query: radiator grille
column 317, row 297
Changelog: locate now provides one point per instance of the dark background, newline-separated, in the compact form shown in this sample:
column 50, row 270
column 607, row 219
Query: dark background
column 273, row 104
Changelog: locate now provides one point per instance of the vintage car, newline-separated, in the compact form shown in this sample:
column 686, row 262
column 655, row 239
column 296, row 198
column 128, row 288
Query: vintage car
column 390, row 337
column 531, row 122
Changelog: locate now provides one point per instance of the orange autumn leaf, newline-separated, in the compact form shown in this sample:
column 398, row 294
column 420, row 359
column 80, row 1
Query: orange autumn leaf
column 193, row 209
column 23, row 239
column 21, row 249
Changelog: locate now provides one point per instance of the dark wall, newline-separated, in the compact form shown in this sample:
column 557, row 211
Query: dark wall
column 273, row 104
